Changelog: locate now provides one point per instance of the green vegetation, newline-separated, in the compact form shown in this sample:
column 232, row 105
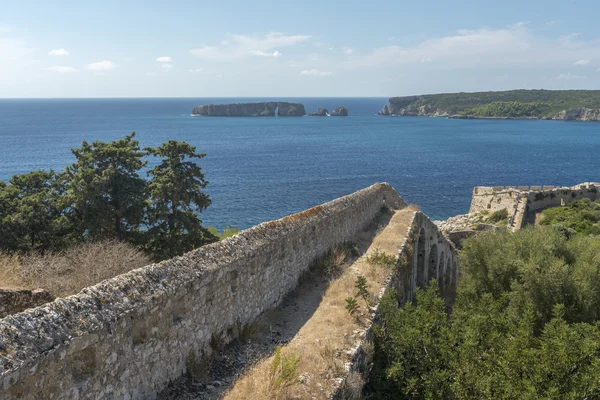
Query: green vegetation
column 381, row 258
column 499, row 217
column 583, row 216
column 512, row 103
column 283, row 370
column 510, row 109
column 103, row 195
column 228, row 232
column 525, row 324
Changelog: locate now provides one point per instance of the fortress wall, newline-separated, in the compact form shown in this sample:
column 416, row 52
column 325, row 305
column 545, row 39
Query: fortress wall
column 127, row 337
column 524, row 202
column 493, row 199
column 412, row 271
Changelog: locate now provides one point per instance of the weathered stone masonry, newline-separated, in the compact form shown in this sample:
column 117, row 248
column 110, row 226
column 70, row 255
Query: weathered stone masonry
column 524, row 202
column 424, row 241
column 127, row 337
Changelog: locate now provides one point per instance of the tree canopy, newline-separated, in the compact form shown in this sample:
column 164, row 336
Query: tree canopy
column 103, row 195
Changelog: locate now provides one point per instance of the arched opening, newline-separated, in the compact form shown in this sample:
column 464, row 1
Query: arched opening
column 442, row 272
column 432, row 264
column 421, row 259
column 448, row 273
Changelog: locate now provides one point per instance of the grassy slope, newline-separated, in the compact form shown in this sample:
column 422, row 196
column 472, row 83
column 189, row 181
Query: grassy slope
column 539, row 103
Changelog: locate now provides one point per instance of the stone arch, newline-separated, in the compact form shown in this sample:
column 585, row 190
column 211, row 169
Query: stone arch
column 432, row 263
column 420, row 254
column 448, row 273
column 442, row 271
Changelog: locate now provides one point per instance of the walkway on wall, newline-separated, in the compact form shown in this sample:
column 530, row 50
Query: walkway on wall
column 312, row 324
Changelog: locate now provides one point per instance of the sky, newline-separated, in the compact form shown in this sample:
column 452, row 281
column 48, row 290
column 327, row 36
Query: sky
column 294, row 49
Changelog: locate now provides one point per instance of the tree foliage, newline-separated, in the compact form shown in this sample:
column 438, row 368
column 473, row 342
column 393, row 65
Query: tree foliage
column 524, row 325
column 176, row 197
column 103, row 195
column 107, row 193
column 583, row 216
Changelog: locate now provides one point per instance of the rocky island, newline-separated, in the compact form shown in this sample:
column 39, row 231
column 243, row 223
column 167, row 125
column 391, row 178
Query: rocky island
column 566, row 105
column 321, row 112
column 264, row 109
column 340, row 112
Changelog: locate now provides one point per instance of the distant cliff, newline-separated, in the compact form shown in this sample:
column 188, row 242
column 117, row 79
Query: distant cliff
column 266, row 109
column 571, row 105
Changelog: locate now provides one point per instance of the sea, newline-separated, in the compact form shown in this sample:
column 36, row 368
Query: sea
column 261, row 169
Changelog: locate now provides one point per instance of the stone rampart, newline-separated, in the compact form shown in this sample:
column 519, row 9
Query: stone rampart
column 524, row 202
column 127, row 337
column 425, row 254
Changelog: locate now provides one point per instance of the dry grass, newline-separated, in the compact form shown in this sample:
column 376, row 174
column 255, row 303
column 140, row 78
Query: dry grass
column 68, row 272
column 321, row 345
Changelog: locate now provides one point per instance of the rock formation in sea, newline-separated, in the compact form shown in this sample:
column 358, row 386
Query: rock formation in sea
column 264, row 109
column 340, row 112
column 290, row 109
column 321, row 112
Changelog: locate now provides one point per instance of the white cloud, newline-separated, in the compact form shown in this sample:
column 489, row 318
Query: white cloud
column 348, row 50
column 315, row 72
column 167, row 67
column 240, row 46
column 426, row 60
column 164, row 59
column 274, row 54
column 104, row 65
column 58, row 52
column 581, row 62
column 195, row 70
column 494, row 48
column 569, row 76
column 62, row 69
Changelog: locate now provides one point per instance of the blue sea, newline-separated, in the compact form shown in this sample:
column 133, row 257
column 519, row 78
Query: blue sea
column 265, row 168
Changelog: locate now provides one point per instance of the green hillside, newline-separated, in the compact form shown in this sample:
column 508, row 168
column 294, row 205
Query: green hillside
column 513, row 103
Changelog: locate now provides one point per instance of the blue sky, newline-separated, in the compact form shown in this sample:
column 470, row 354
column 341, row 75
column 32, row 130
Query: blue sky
column 310, row 48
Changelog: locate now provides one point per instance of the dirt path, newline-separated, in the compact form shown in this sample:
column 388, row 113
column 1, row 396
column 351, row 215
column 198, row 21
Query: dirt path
column 312, row 326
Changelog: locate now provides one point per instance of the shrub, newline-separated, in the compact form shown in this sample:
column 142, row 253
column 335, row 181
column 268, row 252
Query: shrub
column 283, row 371
column 498, row 216
column 380, row 258
column 581, row 215
column 352, row 305
column 67, row 272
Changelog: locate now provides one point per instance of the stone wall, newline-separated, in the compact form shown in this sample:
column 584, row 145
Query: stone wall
column 127, row 337
column 13, row 301
column 524, row 202
column 425, row 254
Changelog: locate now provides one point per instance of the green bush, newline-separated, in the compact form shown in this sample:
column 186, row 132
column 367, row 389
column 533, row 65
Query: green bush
column 498, row 216
column 524, row 325
column 581, row 215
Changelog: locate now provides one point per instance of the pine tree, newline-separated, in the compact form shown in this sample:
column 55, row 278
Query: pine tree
column 176, row 199
column 107, row 193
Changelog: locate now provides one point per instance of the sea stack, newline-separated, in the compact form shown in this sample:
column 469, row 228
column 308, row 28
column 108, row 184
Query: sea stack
column 321, row 112
column 340, row 112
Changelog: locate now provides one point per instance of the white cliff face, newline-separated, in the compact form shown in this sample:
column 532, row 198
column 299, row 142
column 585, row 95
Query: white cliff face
column 579, row 114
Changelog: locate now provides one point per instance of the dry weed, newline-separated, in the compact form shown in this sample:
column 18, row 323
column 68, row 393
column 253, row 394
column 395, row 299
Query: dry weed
column 67, row 272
